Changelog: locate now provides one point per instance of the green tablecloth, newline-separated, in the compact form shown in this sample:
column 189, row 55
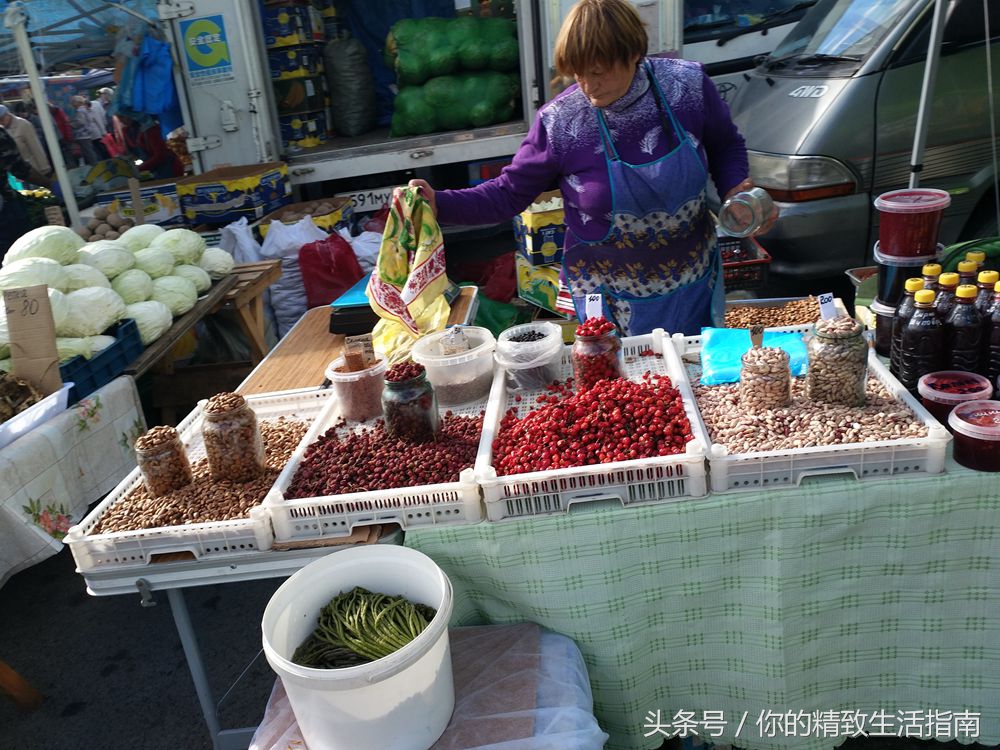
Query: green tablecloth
column 838, row 596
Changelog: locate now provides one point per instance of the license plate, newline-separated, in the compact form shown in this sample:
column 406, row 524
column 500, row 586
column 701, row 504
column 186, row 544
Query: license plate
column 369, row 200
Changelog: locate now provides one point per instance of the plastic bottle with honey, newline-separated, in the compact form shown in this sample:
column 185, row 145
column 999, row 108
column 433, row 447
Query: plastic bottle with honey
column 991, row 339
column 921, row 346
column 945, row 300
column 963, row 332
column 978, row 257
column 967, row 270
column 931, row 272
column 904, row 311
column 986, row 280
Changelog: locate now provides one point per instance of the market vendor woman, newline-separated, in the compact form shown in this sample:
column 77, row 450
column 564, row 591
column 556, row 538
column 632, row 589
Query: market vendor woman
column 631, row 146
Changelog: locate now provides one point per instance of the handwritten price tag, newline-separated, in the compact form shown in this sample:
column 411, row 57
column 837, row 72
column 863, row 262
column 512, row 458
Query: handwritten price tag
column 594, row 307
column 827, row 310
column 757, row 336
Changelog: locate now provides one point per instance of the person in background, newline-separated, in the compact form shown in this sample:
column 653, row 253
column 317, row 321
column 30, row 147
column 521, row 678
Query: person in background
column 144, row 138
column 26, row 139
column 13, row 216
column 631, row 146
column 103, row 104
column 85, row 129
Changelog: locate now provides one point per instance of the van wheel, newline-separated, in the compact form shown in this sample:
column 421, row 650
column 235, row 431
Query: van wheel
column 982, row 223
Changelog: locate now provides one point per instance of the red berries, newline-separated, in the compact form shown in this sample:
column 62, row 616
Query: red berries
column 597, row 353
column 403, row 371
column 595, row 327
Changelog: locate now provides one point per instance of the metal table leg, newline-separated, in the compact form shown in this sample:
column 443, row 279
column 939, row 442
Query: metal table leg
column 178, row 607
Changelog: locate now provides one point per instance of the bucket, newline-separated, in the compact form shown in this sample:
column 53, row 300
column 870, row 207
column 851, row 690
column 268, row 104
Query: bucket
column 358, row 393
column 893, row 273
column 460, row 378
column 530, row 365
column 402, row 701
column 909, row 220
column 883, row 326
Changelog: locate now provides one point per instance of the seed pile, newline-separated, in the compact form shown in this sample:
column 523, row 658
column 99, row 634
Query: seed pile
column 369, row 459
column 804, row 423
column 615, row 420
column 206, row 500
column 794, row 313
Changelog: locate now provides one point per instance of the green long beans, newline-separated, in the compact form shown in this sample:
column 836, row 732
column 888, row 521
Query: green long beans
column 359, row 626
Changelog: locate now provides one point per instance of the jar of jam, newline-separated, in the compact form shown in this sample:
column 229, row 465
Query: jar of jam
column 162, row 461
column 976, row 426
column 409, row 405
column 597, row 353
column 233, row 444
column 942, row 391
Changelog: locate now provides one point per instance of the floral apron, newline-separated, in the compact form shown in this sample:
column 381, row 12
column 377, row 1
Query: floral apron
column 658, row 266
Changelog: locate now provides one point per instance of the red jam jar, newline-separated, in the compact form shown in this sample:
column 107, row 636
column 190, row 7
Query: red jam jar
column 942, row 391
column 976, row 425
column 909, row 220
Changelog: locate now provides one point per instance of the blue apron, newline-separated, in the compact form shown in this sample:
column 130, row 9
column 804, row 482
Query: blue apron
column 658, row 265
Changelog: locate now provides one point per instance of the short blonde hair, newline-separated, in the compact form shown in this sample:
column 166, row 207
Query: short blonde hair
column 599, row 33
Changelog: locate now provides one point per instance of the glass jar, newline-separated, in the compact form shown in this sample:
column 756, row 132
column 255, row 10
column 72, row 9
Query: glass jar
column 162, row 461
column 745, row 213
column 597, row 358
column 232, row 438
column 765, row 379
column 410, row 409
column 838, row 362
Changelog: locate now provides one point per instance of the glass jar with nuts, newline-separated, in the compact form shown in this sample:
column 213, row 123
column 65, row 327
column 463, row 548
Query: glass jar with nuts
column 233, row 444
column 765, row 379
column 162, row 461
column 838, row 362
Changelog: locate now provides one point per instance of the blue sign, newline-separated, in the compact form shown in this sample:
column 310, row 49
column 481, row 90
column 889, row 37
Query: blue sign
column 206, row 50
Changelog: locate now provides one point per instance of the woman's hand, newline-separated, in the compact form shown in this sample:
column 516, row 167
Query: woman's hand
column 427, row 190
column 770, row 221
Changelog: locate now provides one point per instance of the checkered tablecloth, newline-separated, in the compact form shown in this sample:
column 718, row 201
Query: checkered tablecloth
column 810, row 614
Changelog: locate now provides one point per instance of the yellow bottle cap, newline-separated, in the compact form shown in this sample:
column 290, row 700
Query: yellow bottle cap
column 914, row 285
column 931, row 269
column 996, row 287
column 976, row 255
column 925, row 296
column 988, row 277
column 966, row 291
column 948, row 279
column 967, row 266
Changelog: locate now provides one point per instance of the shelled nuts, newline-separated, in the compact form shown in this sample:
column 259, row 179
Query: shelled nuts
column 765, row 379
column 232, row 438
column 162, row 461
column 793, row 313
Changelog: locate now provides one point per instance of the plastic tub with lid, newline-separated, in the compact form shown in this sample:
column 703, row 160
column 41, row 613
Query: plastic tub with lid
column 942, row 391
column 462, row 377
column 909, row 220
column 884, row 315
column 359, row 393
column 976, row 426
column 893, row 273
column 535, row 361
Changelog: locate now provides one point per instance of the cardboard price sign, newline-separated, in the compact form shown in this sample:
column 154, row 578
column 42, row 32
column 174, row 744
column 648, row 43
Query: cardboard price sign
column 33, row 337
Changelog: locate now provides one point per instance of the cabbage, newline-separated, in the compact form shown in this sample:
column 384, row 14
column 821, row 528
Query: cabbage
column 92, row 311
column 99, row 343
column 133, row 286
column 153, row 319
column 71, row 347
column 56, row 243
column 6, row 365
column 80, row 275
column 32, row 271
column 140, row 237
column 217, row 262
column 156, row 261
column 175, row 292
column 195, row 274
column 108, row 257
column 184, row 245
column 4, row 333
column 60, row 309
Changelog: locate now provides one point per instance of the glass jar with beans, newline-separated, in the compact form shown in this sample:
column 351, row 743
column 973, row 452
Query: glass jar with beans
column 233, row 444
column 597, row 353
column 838, row 362
column 409, row 405
column 765, row 379
column 162, row 461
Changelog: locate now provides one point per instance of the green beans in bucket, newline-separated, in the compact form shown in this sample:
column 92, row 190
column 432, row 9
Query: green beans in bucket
column 359, row 626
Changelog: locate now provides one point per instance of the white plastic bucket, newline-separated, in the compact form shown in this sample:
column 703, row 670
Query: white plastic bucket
column 403, row 701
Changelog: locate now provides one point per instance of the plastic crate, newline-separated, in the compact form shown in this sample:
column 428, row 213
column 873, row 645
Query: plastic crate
column 90, row 374
column 214, row 540
column 745, row 264
column 36, row 414
column 317, row 518
column 645, row 480
column 876, row 459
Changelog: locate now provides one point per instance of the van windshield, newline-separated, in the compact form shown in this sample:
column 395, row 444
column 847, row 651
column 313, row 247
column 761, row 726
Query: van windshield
column 715, row 19
column 839, row 31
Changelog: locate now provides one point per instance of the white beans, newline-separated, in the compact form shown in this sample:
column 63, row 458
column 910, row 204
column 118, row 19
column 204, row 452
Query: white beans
column 765, row 380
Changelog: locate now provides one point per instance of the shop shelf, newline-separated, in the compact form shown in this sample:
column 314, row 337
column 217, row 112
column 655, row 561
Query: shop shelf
column 318, row 518
column 876, row 459
column 214, row 540
column 640, row 481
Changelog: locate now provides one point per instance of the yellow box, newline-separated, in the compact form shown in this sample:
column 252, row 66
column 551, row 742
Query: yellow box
column 538, row 285
column 540, row 233
column 341, row 212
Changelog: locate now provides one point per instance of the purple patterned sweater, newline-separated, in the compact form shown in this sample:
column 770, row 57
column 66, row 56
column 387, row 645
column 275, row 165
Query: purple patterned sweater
column 564, row 145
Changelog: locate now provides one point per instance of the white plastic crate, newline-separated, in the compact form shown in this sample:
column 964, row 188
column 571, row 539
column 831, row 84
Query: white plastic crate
column 36, row 414
column 316, row 518
column 764, row 469
column 644, row 480
column 217, row 539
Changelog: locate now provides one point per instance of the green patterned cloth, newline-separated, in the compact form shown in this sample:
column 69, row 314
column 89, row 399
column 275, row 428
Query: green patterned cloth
column 841, row 596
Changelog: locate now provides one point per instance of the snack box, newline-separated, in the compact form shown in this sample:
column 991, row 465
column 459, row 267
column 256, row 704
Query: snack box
column 305, row 130
column 540, row 286
column 338, row 215
column 291, row 25
column 226, row 194
column 160, row 201
column 298, row 95
column 295, row 62
column 540, row 230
